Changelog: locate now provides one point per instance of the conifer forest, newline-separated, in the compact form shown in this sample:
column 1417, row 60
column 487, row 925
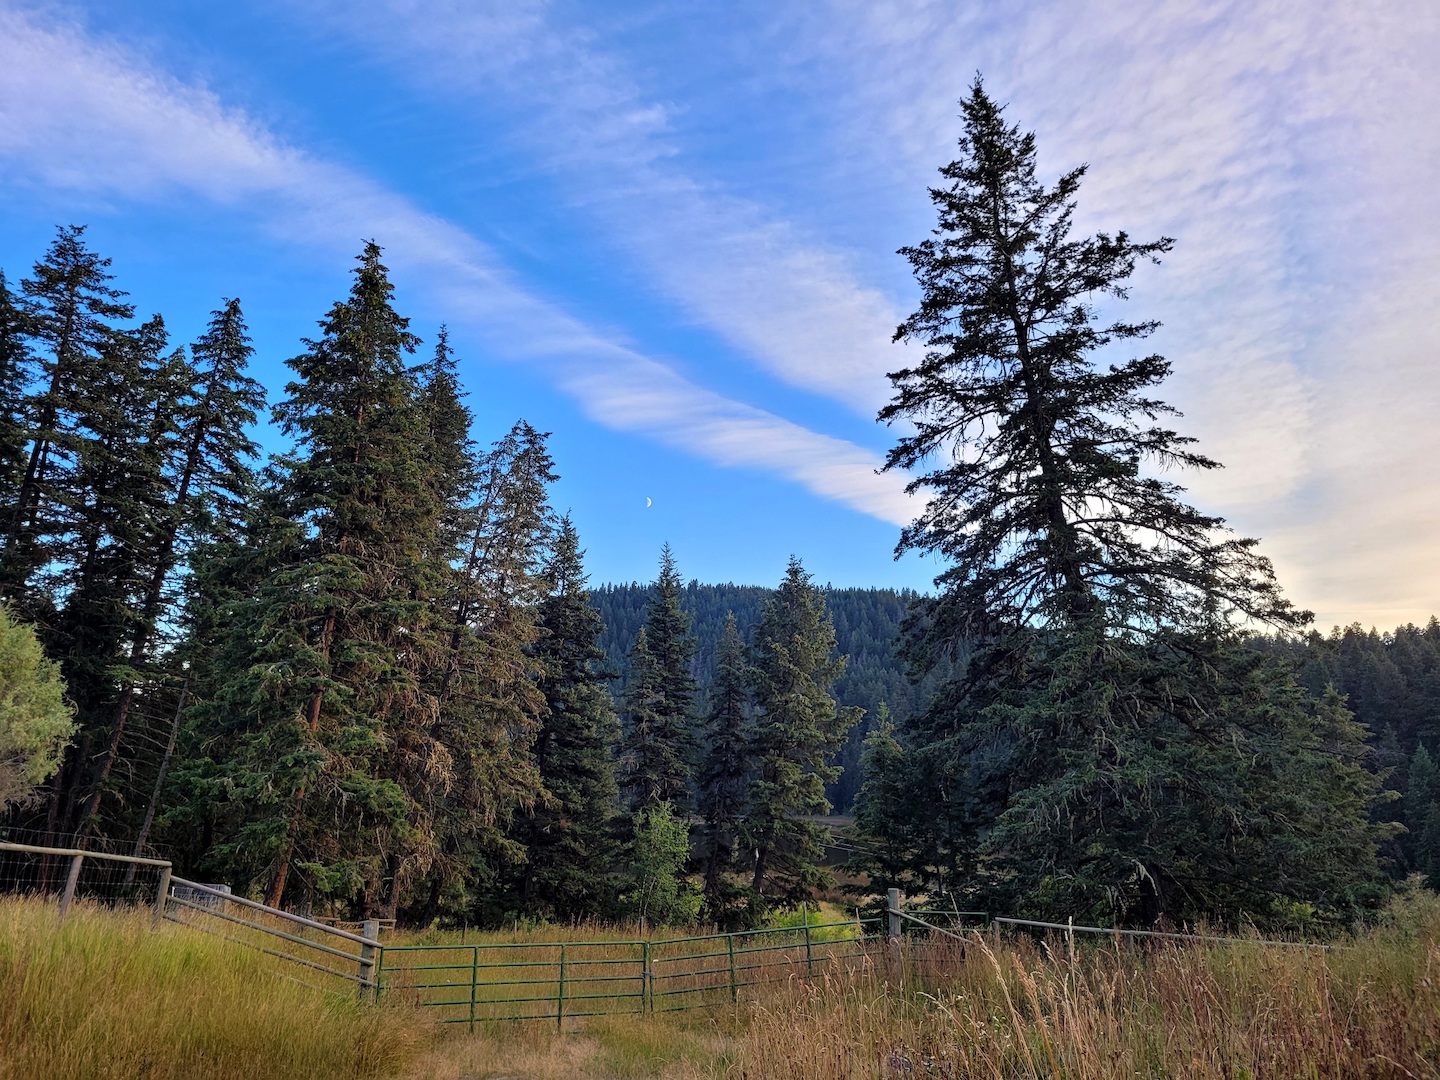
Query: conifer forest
column 366, row 673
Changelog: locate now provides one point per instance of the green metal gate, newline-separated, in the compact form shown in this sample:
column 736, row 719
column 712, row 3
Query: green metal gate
column 470, row 984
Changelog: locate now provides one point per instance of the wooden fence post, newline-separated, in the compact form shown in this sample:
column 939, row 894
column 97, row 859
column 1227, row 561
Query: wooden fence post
column 892, row 910
column 370, row 931
column 162, row 893
column 71, row 881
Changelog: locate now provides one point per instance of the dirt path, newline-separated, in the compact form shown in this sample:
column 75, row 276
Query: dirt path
column 611, row 1048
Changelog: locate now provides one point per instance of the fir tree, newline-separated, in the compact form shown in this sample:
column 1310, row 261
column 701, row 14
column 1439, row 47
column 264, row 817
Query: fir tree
column 15, row 367
column 647, row 758
column 659, row 699
column 724, row 777
column 570, row 837
column 114, row 502
column 68, row 308
column 342, row 632
column 202, row 481
column 672, row 644
column 1422, row 816
column 1108, row 697
column 890, row 817
column 798, row 725
column 489, row 699
column 1038, row 498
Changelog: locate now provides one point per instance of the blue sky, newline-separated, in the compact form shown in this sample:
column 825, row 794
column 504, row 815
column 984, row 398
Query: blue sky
column 666, row 233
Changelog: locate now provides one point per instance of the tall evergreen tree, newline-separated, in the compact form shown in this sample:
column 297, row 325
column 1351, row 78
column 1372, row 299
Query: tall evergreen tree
column 490, row 703
column 890, row 812
column 798, row 725
column 14, row 382
column 1107, row 687
column 1422, row 816
column 672, row 644
column 724, row 777
column 570, row 838
column 69, row 308
column 649, row 761
column 342, row 629
column 659, row 700
column 112, row 502
column 201, row 481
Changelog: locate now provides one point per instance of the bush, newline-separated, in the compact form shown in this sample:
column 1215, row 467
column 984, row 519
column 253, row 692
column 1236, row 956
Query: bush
column 35, row 719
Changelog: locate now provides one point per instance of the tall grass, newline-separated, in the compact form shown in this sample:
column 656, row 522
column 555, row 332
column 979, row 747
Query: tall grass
column 1368, row 1008
column 103, row 996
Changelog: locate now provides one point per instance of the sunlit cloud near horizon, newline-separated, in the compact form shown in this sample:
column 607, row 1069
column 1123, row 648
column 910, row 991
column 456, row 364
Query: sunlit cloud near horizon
column 670, row 235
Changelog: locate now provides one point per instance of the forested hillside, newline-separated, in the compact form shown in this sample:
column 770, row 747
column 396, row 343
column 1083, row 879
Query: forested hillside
column 867, row 623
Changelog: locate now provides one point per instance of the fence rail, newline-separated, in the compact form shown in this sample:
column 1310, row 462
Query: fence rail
column 498, row 981
column 557, row 981
column 351, row 958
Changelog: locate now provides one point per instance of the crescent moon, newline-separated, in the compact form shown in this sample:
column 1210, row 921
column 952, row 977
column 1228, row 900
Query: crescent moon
column 647, row 501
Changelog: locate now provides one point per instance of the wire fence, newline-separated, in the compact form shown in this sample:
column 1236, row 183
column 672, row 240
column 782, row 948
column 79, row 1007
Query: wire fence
column 80, row 872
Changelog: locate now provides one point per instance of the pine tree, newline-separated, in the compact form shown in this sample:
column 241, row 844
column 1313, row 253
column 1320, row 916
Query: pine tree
column 1422, row 815
column 724, row 778
column 570, row 838
column 648, row 760
column 798, row 726
column 1108, row 694
column 342, row 630
column 15, row 368
column 68, row 308
column 659, row 699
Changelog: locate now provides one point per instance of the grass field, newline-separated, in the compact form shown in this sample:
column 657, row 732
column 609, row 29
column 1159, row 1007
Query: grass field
column 103, row 997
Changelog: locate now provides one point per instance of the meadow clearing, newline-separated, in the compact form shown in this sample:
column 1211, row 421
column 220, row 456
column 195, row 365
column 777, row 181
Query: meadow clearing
column 104, row 996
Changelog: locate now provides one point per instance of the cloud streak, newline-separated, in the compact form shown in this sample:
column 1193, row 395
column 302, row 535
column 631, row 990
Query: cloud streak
column 795, row 306
column 1291, row 147
column 83, row 115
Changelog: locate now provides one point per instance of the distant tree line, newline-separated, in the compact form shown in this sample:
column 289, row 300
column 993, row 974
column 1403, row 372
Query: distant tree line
column 364, row 674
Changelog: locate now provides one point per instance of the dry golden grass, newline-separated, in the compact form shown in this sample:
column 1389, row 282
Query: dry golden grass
column 1021, row 1009
column 103, row 996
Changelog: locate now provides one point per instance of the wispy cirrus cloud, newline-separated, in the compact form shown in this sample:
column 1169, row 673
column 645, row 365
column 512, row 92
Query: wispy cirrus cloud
column 83, row 114
column 791, row 303
column 1291, row 147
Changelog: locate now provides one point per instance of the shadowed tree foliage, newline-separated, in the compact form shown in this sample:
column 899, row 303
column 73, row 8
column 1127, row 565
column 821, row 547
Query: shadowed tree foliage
column 798, row 725
column 723, row 781
column 569, row 837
